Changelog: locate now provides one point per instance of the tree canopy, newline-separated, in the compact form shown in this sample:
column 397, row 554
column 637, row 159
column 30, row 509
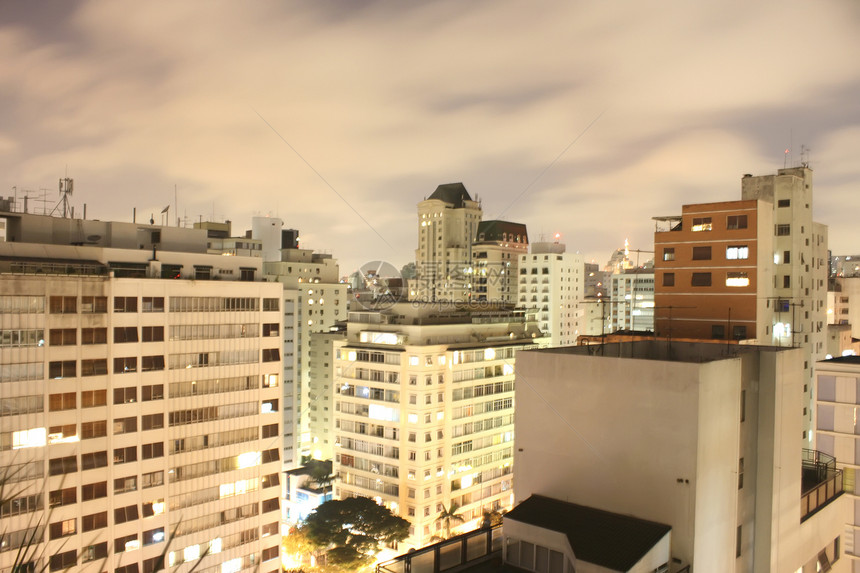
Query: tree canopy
column 353, row 529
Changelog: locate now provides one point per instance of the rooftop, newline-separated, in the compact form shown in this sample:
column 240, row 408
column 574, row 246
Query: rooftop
column 610, row 540
column 452, row 193
column 663, row 349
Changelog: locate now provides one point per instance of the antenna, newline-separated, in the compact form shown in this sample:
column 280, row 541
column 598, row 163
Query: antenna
column 66, row 187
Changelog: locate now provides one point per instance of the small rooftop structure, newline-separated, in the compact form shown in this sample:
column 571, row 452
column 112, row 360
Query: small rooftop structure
column 452, row 193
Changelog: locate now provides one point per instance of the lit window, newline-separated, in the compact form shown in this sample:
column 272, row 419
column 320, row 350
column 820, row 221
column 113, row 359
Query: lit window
column 191, row 553
column 701, row 224
column 34, row 438
column 735, row 252
column 737, row 279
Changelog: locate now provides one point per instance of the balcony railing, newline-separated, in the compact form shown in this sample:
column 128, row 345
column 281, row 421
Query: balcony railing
column 452, row 554
column 821, row 482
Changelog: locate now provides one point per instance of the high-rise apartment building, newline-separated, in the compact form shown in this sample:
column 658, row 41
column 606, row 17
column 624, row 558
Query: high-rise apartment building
column 754, row 269
column 425, row 409
column 136, row 409
column 321, row 391
column 631, row 303
column 698, row 436
column 552, row 282
column 495, row 258
column 447, row 226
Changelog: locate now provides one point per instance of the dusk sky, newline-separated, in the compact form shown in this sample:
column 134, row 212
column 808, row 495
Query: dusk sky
column 582, row 118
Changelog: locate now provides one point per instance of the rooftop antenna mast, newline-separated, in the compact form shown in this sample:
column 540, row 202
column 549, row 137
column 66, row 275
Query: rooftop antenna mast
column 66, row 186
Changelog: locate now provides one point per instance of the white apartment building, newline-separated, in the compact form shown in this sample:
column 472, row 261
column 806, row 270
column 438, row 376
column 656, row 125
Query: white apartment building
column 552, row 282
column 632, row 300
column 447, row 225
column 495, row 258
column 313, row 300
column 687, row 435
column 321, row 391
column 425, row 409
column 135, row 409
column 837, row 399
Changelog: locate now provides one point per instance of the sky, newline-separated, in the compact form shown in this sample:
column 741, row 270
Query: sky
column 584, row 118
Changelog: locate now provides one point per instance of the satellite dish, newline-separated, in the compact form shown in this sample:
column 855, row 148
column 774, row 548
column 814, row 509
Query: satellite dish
column 94, row 238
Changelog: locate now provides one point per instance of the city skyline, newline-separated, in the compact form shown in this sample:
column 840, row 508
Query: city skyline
column 585, row 120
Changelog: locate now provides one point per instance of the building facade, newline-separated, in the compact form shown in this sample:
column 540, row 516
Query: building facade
column 632, row 300
column 495, row 258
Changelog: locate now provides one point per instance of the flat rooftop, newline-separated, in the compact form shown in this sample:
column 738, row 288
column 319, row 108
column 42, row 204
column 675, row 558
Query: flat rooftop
column 663, row 350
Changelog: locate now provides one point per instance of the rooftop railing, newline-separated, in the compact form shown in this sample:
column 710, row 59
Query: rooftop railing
column 822, row 482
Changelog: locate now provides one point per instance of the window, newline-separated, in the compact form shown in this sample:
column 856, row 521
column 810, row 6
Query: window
column 271, row 304
column 125, row 425
column 92, row 491
column 125, row 543
column 669, row 254
column 701, row 279
column 271, row 355
column 738, row 541
column 94, row 367
column 668, row 279
column 718, row 331
column 151, row 363
column 737, row 279
column 64, row 369
column 93, row 398
column 63, row 305
column 783, row 203
column 270, row 505
column 743, row 405
column 270, row 553
column 124, row 395
column 125, row 484
column 93, row 335
column 59, row 402
column 246, row 274
column 271, row 330
column 60, row 497
column 63, row 528
column 701, row 224
column 65, row 560
column 125, row 304
column 124, row 514
column 124, row 365
column 786, row 257
column 701, row 253
column 740, row 473
column 93, row 304
column 94, row 460
column 786, row 281
column 783, row 230
column 94, row 521
column 63, row 336
column 736, row 222
column 124, row 455
column 130, row 568
column 202, row 272
column 153, row 392
column 739, row 332
column 736, row 252
column 153, row 450
column 97, row 429
column 152, row 333
column 152, row 421
column 124, row 334
column 93, row 552
column 270, row 431
column 153, row 303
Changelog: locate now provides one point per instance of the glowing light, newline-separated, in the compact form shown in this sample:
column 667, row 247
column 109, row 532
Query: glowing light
column 489, row 353
column 215, row 545
column 248, row 460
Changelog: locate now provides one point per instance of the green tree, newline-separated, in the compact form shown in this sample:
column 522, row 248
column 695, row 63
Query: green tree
column 447, row 515
column 321, row 475
column 352, row 530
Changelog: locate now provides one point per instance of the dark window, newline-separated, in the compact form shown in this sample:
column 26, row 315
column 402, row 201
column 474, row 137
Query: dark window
column 124, row 395
column 739, row 332
column 270, row 480
column 94, row 367
column 701, row 253
column 63, row 305
column 59, row 402
column 246, row 274
column 152, row 333
column 124, row 365
column 270, row 505
column 125, row 425
column 125, row 304
column 669, row 254
column 153, row 303
column 151, row 363
column 786, row 257
column 94, row 521
column 739, row 540
column 153, row 564
column 736, row 222
column 124, row 514
column 786, row 281
column 93, row 335
column 124, row 455
column 125, row 334
column 270, row 553
column 270, row 304
column 94, row 304
column 270, row 431
column 61, row 369
column 153, row 392
column 783, row 230
column 63, row 528
column 718, row 331
column 668, row 279
column 121, row 543
column 202, row 273
column 125, row 484
column 271, row 355
column 94, row 460
column 270, row 456
column 783, row 203
column 93, row 552
column 96, row 429
column 63, row 336
column 60, row 497
column 64, row 560
column 153, row 450
column 152, row 479
column 740, row 473
column 701, row 279
column 270, row 329
column 92, row 491
column 152, row 421
column 92, row 398
column 130, row 568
